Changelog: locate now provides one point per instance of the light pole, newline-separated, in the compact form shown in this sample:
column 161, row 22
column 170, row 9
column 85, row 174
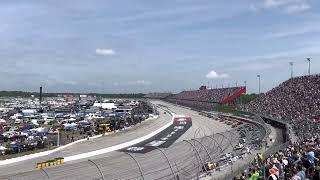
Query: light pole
column 309, row 60
column 259, row 77
column 291, row 66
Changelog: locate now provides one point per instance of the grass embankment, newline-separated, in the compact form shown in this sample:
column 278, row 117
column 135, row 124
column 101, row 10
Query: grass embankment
column 232, row 106
column 231, row 110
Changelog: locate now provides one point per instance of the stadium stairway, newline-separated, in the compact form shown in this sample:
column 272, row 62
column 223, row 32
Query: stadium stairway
column 233, row 96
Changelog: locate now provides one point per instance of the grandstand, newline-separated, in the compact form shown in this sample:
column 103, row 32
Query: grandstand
column 206, row 99
column 296, row 101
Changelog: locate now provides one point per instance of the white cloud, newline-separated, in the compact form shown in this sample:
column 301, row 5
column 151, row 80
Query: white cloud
column 214, row 75
column 133, row 83
column 287, row 6
column 143, row 82
column 301, row 29
column 105, row 52
column 273, row 60
column 296, row 8
column 254, row 8
column 278, row 3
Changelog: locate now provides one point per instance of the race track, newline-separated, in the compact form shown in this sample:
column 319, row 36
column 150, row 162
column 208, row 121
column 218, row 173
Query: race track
column 118, row 165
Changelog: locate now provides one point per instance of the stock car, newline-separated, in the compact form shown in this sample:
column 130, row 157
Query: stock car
column 226, row 156
column 242, row 140
column 238, row 146
column 209, row 166
column 234, row 126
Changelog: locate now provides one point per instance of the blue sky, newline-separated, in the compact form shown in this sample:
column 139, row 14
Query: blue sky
column 117, row 46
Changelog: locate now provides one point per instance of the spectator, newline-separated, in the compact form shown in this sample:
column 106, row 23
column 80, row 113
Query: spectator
column 296, row 101
column 203, row 99
column 301, row 172
column 299, row 161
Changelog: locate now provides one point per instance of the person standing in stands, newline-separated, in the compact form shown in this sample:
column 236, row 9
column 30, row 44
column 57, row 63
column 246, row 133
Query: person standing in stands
column 254, row 175
column 301, row 172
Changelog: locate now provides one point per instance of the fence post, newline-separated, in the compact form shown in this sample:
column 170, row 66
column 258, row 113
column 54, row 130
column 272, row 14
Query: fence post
column 231, row 132
column 203, row 163
column 137, row 164
column 174, row 175
column 227, row 139
column 219, row 145
column 97, row 167
column 45, row 172
column 204, row 148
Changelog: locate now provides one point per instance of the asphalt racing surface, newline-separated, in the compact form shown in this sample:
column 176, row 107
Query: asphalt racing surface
column 118, row 165
column 201, row 125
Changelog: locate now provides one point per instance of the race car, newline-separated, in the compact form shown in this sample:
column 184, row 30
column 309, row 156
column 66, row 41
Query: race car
column 208, row 166
column 238, row 146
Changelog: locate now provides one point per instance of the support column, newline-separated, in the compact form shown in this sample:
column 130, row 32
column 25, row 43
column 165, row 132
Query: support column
column 204, row 148
column 201, row 163
column 140, row 169
column 100, row 171
column 45, row 172
column 174, row 175
column 219, row 145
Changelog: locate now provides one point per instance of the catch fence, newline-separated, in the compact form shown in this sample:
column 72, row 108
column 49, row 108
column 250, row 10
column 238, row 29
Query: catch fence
column 183, row 160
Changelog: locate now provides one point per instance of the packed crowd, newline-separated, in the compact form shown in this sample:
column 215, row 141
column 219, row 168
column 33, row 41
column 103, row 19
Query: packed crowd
column 296, row 101
column 211, row 95
column 193, row 104
column 299, row 161
column 202, row 99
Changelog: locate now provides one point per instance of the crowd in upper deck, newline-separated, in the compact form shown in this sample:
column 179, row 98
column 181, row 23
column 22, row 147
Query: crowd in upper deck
column 296, row 101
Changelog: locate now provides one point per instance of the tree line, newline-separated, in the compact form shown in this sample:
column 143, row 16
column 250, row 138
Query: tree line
column 37, row 94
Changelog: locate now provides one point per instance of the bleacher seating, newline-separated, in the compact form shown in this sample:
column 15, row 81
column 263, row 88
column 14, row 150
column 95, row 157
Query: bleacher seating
column 206, row 99
column 296, row 100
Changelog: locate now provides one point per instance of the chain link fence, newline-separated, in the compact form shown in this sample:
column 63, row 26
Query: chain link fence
column 289, row 138
column 182, row 160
